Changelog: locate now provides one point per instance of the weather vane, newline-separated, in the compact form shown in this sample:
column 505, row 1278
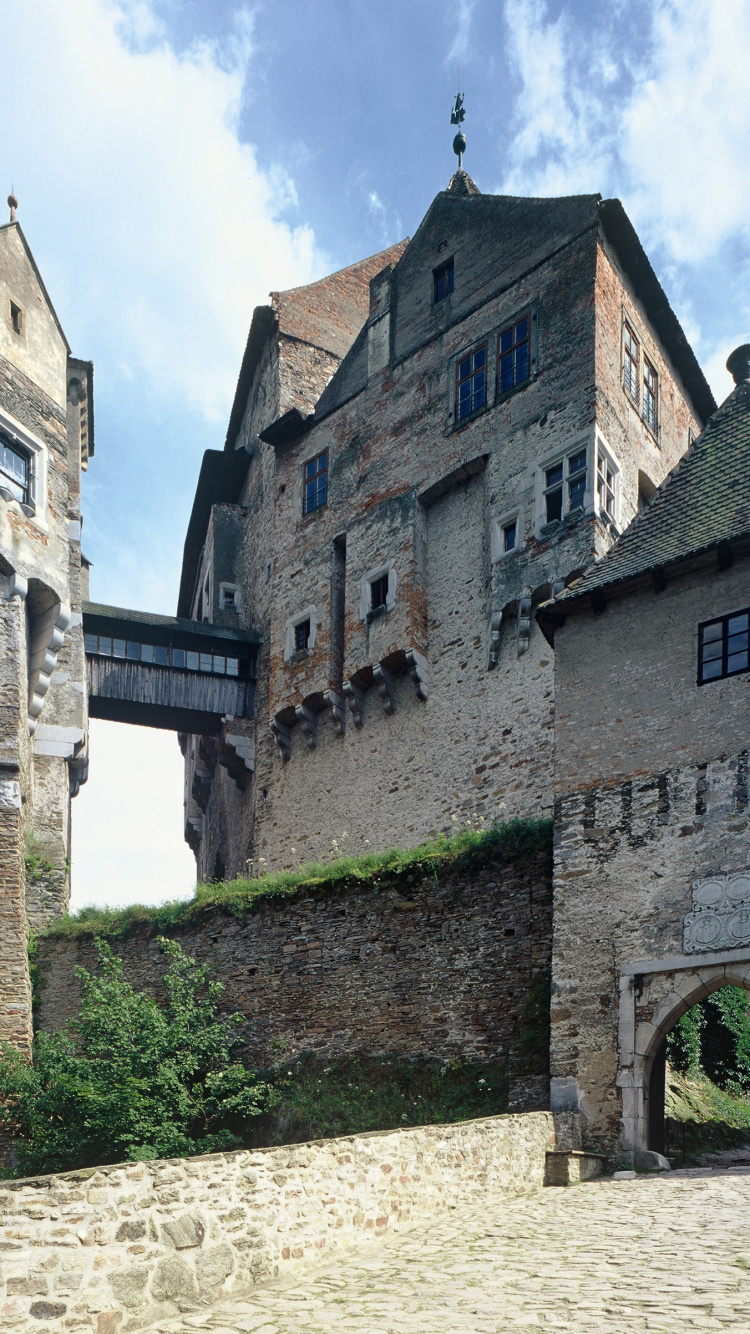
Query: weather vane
column 457, row 115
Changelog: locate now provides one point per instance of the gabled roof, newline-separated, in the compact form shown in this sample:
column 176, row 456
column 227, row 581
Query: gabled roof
column 5, row 227
column 704, row 502
column 327, row 314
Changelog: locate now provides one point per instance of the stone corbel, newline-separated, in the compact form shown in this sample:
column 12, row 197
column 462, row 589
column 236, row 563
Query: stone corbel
column 237, row 756
column 18, row 587
column 47, row 638
column 524, row 624
column 308, row 720
column 419, row 672
column 496, row 621
column 386, row 684
column 338, row 710
column 355, row 698
column 282, row 735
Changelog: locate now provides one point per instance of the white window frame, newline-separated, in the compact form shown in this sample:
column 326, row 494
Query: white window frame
column 603, row 451
column 594, row 443
column 366, row 612
column 21, row 438
column 290, row 652
column 225, row 588
column 497, row 535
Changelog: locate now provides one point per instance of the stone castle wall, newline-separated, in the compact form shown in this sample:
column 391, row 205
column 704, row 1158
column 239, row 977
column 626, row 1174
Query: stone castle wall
column 433, row 964
column 652, row 775
column 122, row 1247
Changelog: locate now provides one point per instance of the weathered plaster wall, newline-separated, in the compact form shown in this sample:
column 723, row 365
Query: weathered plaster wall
column 123, row 1247
column 439, row 965
column 651, row 773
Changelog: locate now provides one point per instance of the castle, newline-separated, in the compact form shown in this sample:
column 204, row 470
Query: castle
column 474, row 550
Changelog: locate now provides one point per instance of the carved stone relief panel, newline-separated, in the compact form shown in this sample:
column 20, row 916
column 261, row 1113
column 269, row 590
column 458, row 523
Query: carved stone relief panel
column 720, row 919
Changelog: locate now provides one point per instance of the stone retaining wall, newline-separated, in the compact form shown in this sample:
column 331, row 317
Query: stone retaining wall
column 112, row 1249
column 432, row 964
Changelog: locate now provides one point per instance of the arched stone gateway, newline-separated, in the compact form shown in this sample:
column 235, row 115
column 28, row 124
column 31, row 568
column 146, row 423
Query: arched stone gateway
column 654, row 994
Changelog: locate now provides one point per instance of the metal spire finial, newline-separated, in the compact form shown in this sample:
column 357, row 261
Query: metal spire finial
column 457, row 115
column 12, row 204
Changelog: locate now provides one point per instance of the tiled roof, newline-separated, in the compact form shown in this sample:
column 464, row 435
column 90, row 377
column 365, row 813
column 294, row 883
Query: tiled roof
column 705, row 500
column 330, row 313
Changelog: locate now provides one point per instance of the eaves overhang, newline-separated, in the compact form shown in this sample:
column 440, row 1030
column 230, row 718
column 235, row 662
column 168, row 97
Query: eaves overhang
column 221, row 481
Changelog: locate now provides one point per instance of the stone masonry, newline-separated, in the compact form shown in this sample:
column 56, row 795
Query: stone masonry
column 46, row 438
column 389, row 721
column 123, row 1247
column 439, row 966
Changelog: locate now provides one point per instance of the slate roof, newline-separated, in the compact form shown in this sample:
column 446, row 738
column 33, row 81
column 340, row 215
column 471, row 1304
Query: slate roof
column 704, row 501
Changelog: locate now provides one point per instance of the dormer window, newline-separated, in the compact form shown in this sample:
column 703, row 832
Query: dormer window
column 15, row 473
column 442, row 281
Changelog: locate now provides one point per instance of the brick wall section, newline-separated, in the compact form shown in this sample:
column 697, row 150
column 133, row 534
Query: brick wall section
column 145, row 1242
column 440, row 967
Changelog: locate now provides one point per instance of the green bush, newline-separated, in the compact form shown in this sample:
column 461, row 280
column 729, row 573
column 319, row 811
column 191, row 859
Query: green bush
column 349, row 1095
column 713, row 1039
column 131, row 1079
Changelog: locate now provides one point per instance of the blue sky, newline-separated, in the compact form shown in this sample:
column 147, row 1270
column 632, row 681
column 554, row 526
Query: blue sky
column 177, row 159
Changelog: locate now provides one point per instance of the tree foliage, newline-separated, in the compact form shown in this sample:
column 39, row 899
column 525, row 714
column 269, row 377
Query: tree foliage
column 713, row 1039
column 130, row 1079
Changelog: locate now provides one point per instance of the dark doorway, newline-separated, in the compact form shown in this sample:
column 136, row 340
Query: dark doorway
column 656, row 1094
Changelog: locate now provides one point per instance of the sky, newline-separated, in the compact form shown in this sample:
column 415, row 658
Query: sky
column 175, row 160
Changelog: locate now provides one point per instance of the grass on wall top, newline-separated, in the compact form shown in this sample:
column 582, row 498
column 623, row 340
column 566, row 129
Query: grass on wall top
column 442, row 855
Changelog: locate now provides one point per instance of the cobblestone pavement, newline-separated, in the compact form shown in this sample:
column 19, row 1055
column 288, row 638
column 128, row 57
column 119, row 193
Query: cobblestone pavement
column 657, row 1253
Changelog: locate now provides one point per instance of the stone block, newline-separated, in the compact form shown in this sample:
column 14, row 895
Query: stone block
column 129, row 1285
column 183, row 1233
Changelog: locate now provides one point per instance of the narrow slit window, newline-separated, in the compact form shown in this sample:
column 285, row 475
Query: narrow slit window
column 724, row 647
column 510, row 533
column 16, row 318
column 301, row 636
column 442, row 281
column 471, row 383
column 514, row 354
column 650, row 395
column 631, row 360
column 316, row 483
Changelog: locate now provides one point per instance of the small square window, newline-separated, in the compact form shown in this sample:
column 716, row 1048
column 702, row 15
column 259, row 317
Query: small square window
column 724, row 647
column 442, row 281
column 379, row 592
column 147, row 653
column 178, row 657
column 233, row 667
column 471, row 382
column 105, row 645
column 514, row 356
column 229, row 599
column 118, row 648
column 16, row 317
column 316, row 483
column 192, row 661
column 510, row 532
column 301, row 636
column 91, row 643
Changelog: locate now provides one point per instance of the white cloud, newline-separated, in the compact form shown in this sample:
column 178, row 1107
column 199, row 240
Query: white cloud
column 668, row 131
column 127, row 160
column 461, row 21
column 128, row 844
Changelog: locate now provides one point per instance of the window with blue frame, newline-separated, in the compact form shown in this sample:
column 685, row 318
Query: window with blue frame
column 514, row 354
column 724, row 647
column 471, row 382
column 316, row 483
column 442, row 281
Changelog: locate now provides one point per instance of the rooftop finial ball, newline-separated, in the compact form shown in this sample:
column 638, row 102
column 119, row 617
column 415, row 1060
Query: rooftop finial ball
column 12, row 201
column 459, row 144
